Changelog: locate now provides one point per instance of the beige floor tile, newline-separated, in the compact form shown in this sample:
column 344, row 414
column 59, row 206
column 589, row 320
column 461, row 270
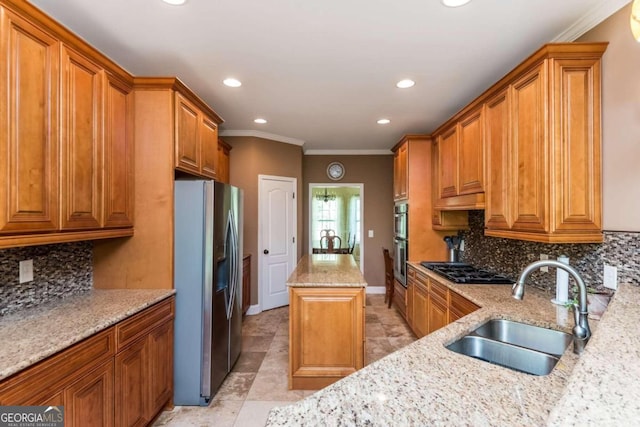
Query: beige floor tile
column 374, row 330
column 236, row 386
column 278, row 362
column 399, row 342
column 270, row 385
column 249, row 361
column 283, row 329
column 380, row 345
column 256, row 413
column 397, row 330
column 279, row 344
column 256, row 344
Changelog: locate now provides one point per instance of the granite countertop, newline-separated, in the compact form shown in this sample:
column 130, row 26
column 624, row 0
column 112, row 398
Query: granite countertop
column 32, row 335
column 327, row 270
column 426, row 384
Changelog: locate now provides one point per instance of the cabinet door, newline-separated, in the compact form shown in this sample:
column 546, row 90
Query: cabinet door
column 471, row 155
column 246, row 283
column 420, row 312
column 400, row 172
column 160, row 375
column 437, row 314
column 327, row 334
column 89, row 401
column 499, row 169
column 576, row 145
column 400, row 298
column 448, row 162
column 530, row 167
column 187, row 142
column 118, row 153
column 81, row 141
column 209, row 147
column 28, row 127
column 132, row 391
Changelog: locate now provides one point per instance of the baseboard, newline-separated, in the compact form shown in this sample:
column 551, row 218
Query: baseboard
column 253, row 310
column 375, row 289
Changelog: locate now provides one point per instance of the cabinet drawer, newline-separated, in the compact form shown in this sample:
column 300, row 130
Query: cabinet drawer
column 140, row 324
column 49, row 376
column 461, row 304
column 439, row 290
column 411, row 272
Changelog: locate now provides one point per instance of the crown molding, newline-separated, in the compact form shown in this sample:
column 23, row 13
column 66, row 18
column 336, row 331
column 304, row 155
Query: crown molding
column 596, row 15
column 263, row 135
column 348, row 152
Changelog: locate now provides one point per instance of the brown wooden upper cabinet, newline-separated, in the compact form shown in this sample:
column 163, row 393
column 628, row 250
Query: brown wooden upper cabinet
column 532, row 143
column 224, row 153
column 544, row 148
column 401, row 172
column 196, row 139
column 460, row 167
column 66, row 136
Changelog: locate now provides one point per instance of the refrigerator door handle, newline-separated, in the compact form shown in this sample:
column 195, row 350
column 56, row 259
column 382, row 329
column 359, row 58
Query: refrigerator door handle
column 233, row 263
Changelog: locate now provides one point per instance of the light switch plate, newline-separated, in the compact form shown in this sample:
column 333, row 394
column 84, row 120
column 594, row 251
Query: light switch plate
column 370, row 233
column 26, row 271
column 610, row 277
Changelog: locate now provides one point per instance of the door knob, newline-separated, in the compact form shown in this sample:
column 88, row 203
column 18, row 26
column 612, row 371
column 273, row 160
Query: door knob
column 266, row 251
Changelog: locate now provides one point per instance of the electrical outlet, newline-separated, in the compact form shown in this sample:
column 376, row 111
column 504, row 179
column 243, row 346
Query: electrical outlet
column 544, row 257
column 26, row 271
column 610, row 277
column 370, row 233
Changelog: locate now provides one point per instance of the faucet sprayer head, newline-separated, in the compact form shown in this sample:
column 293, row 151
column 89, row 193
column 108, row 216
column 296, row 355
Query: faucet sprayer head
column 517, row 291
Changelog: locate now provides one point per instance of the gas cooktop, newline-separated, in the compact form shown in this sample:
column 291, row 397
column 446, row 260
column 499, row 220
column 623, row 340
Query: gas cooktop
column 459, row 272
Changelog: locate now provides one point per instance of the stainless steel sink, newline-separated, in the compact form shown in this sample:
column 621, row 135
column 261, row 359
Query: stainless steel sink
column 523, row 335
column 507, row 355
column 514, row 345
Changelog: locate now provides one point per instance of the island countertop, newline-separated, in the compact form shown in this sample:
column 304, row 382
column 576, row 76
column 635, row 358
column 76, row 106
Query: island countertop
column 426, row 384
column 327, row 270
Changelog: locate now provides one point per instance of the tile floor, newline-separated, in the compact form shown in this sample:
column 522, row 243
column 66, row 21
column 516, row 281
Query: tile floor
column 258, row 381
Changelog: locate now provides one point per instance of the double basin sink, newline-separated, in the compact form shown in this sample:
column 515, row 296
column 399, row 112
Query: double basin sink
column 525, row 348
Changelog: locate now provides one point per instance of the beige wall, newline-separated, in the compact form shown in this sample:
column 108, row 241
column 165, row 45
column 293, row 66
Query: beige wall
column 251, row 157
column 376, row 173
column 620, row 122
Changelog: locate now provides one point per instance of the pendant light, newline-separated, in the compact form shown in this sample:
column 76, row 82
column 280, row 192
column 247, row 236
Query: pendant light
column 635, row 20
column 325, row 197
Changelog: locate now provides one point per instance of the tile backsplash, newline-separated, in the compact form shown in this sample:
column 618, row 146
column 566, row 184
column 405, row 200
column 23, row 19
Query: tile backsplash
column 58, row 271
column 507, row 256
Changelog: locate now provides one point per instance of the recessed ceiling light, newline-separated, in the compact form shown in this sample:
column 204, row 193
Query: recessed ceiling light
column 231, row 82
column 455, row 3
column 260, row 121
column 175, row 2
column 406, row 83
column 384, row 121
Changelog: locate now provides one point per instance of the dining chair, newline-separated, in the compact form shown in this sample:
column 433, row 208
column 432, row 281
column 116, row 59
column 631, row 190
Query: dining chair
column 388, row 276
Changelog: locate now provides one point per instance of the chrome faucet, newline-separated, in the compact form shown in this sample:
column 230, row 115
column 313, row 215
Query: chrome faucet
column 581, row 331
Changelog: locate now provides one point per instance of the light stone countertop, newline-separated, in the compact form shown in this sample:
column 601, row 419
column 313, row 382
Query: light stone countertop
column 327, row 270
column 36, row 333
column 426, row 384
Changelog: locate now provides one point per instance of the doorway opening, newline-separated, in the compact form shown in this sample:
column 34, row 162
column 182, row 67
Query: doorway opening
column 336, row 214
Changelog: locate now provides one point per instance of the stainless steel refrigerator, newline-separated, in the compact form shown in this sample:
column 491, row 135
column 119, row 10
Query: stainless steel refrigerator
column 208, row 283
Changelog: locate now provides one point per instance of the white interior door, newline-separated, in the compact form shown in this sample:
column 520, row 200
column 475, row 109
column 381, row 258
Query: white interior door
column 276, row 238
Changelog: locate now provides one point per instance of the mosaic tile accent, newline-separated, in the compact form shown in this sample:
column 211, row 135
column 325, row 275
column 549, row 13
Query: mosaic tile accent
column 58, row 271
column 507, row 256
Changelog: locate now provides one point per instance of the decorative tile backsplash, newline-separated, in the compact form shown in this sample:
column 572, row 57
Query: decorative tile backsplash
column 58, row 271
column 507, row 256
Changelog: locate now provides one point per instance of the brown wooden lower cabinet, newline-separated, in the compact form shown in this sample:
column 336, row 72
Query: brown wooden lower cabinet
column 121, row 376
column 246, row 283
column 434, row 305
column 326, row 329
column 400, row 298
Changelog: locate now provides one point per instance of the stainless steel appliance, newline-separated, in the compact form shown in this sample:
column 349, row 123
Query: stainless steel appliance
column 459, row 272
column 400, row 242
column 207, row 279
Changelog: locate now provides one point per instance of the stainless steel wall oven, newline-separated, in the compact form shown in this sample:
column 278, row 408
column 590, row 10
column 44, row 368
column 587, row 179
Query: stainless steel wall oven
column 400, row 243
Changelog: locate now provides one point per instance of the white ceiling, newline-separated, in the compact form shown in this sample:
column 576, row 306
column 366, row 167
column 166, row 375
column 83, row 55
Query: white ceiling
column 323, row 71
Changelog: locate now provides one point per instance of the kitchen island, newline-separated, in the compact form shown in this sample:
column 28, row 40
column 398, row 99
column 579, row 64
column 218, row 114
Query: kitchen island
column 427, row 384
column 326, row 320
